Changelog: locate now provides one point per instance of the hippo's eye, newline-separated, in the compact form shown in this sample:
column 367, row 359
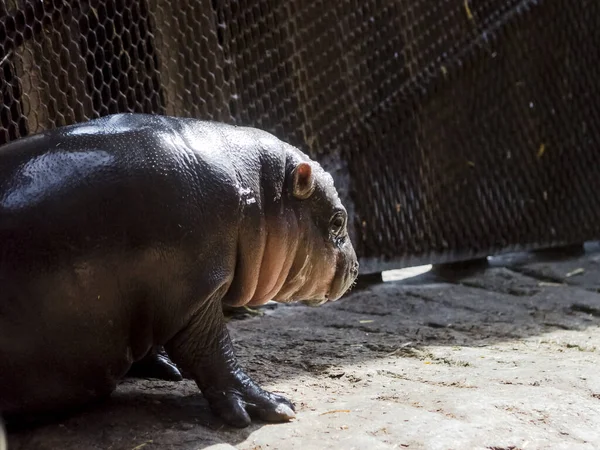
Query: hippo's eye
column 337, row 224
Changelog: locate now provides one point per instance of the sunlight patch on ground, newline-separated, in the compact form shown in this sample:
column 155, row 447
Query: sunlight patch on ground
column 404, row 274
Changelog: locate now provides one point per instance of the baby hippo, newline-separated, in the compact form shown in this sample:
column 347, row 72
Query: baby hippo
column 130, row 232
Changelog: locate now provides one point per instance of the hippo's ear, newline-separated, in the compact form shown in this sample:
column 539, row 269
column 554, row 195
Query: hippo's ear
column 304, row 181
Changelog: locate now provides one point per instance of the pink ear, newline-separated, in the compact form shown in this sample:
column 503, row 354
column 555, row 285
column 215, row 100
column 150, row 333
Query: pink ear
column 304, row 181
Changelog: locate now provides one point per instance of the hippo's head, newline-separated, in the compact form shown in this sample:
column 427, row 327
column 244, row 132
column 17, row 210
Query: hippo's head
column 323, row 264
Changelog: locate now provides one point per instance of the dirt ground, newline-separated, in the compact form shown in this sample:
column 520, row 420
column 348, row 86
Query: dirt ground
column 504, row 358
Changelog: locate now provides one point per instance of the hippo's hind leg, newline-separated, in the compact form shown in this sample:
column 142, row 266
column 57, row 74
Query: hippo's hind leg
column 156, row 364
column 204, row 349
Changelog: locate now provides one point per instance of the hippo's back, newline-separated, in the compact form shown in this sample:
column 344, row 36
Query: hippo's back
column 118, row 181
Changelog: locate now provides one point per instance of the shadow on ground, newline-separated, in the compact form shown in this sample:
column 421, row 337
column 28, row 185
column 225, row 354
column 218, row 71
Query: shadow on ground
column 515, row 299
column 142, row 414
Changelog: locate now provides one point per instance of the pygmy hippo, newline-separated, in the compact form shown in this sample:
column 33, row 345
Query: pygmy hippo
column 130, row 232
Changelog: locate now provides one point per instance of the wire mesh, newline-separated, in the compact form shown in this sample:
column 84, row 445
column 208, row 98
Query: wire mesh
column 454, row 128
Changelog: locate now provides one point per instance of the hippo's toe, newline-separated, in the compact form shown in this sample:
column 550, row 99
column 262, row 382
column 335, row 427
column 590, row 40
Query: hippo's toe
column 236, row 406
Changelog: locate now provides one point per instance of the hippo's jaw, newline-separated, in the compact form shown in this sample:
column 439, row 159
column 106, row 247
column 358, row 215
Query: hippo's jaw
column 310, row 287
column 345, row 277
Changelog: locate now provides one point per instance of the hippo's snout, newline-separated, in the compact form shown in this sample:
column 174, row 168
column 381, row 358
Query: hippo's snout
column 346, row 274
column 351, row 276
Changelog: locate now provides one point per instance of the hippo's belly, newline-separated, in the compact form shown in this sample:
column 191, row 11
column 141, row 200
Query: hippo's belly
column 54, row 375
column 36, row 383
column 60, row 347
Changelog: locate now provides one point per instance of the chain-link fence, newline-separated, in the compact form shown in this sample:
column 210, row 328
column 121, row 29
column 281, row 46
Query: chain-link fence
column 454, row 128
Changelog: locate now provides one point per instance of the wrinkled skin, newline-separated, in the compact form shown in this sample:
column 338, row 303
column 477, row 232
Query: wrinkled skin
column 129, row 233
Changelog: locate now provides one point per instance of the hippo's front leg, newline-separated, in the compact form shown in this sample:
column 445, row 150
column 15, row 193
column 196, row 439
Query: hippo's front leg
column 204, row 349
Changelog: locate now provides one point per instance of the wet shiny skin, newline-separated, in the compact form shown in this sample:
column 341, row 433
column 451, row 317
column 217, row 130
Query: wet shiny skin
column 129, row 231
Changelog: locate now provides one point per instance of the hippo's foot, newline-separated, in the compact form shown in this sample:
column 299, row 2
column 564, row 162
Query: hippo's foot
column 243, row 399
column 204, row 349
column 156, row 364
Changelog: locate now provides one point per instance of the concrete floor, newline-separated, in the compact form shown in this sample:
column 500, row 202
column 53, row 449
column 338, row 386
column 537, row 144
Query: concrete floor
column 503, row 358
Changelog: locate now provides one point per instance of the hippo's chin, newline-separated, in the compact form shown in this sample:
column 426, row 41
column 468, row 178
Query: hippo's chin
column 314, row 302
column 302, row 300
column 339, row 286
